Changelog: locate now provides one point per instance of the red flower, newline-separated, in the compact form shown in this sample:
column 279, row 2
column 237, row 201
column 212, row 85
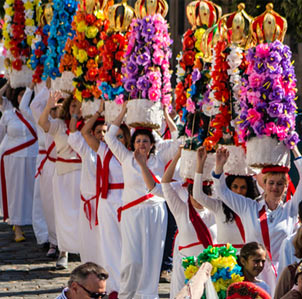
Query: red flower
column 188, row 43
column 82, row 43
column 119, row 55
column 86, row 94
column 188, row 58
column 15, row 51
column 92, row 74
column 17, row 64
column 92, row 51
column 38, row 53
column 110, row 46
column 90, row 19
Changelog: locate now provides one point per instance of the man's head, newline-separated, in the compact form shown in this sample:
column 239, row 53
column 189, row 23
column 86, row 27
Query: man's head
column 87, row 281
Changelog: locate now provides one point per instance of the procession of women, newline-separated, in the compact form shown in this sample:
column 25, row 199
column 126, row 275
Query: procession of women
column 110, row 155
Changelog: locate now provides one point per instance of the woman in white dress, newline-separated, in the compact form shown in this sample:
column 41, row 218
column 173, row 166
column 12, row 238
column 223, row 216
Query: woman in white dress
column 66, row 180
column 196, row 224
column 110, row 177
column 143, row 214
column 18, row 151
column 270, row 220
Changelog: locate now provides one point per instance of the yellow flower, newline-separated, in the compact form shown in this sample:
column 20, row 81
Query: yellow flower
column 29, row 22
column 9, row 11
column 7, row 43
column 199, row 55
column 78, row 95
column 81, row 26
column 75, row 51
column 198, row 45
column 190, row 272
column 199, row 33
column 79, row 71
column 29, row 39
column 91, row 32
column 28, row 5
column 100, row 44
column 99, row 14
column 82, row 56
column 10, row 2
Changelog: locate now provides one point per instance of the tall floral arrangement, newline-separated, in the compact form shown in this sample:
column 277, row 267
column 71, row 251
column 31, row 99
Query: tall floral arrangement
column 18, row 31
column 60, row 30
column 146, row 72
column 268, row 94
column 225, row 269
column 86, row 48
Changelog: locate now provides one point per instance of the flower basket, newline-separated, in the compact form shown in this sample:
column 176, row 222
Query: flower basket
column 63, row 83
column 144, row 113
column 20, row 78
column 112, row 110
column 188, row 162
column 89, row 108
column 237, row 164
column 264, row 151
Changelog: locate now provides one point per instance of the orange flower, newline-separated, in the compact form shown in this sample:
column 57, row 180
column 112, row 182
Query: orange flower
column 91, row 64
column 92, row 74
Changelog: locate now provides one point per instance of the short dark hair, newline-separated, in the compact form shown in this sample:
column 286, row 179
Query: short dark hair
column 127, row 135
column 81, row 273
column 64, row 112
column 143, row 132
column 249, row 249
column 12, row 95
column 97, row 123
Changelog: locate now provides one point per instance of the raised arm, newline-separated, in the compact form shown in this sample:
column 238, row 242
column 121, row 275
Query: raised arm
column 168, row 175
column 39, row 102
column 44, row 122
column 86, row 130
column 24, row 104
column 75, row 117
column 198, row 194
column 121, row 116
column 2, row 91
column 171, row 124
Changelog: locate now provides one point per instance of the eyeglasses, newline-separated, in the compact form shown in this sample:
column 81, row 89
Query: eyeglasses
column 120, row 136
column 92, row 294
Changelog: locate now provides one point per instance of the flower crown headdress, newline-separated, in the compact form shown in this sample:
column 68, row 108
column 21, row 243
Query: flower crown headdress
column 150, row 7
column 269, row 26
column 120, row 16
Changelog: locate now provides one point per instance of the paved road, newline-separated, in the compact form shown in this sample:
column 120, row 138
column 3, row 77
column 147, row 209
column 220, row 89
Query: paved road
column 25, row 271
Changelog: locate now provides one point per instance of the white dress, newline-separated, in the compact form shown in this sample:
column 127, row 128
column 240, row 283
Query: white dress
column 66, row 189
column 19, row 166
column 226, row 232
column 38, row 218
column 45, row 164
column 187, row 243
column 109, row 224
column 89, row 233
column 143, row 225
column 281, row 221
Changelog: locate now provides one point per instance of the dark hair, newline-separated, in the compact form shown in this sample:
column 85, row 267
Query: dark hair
column 143, row 132
column 12, row 95
column 127, row 135
column 252, row 192
column 300, row 210
column 249, row 249
column 97, row 123
column 64, row 111
column 297, row 243
column 80, row 273
column 190, row 189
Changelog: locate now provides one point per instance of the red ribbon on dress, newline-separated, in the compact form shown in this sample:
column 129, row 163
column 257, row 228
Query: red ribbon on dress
column 49, row 150
column 11, row 151
column 105, row 174
column 240, row 226
column 87, row 208
column 202, row 232
column 265, row 234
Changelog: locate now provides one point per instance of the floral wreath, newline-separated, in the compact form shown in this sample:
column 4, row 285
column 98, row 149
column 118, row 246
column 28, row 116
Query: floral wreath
column 225, row 269
column 146, row 71
column 60, row 30
column 18, row 30
column 268, row 95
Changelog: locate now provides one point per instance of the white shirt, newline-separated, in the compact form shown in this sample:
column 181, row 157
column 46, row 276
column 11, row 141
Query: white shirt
column 134, row 185
column 281, row 221
column 227, row 232
column 186, row 230
column 62, row 295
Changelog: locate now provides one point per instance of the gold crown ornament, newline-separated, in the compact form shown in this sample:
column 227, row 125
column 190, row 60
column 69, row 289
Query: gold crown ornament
column 269, row 26
column 120, row 16
column 150, row 7
column 236, row 27
column 203, row 13
column 89, row 6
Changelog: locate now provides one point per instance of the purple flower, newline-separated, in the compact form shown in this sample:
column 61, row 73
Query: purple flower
column 143, row 83
column 274, row 58
column 286, row 121
column 276, row 95
column 259, row 128
column 143, row 58
column 275, row 109
column 291, row 140
column 132, row 68
column 130, row 85
column 196, row 75
column 148, row 31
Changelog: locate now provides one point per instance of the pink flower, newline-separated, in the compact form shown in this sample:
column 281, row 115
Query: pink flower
column 190, row 105
column 262, row 50
column 270, row 129
column 250, row 68
column 253, row 97
column 166, row 99
column 188, row 132
column 154, row 76
column 119, row 99
column 158, row 57
column 256, row 80
column 253, row 116
column 154, row 94
column 281, row 133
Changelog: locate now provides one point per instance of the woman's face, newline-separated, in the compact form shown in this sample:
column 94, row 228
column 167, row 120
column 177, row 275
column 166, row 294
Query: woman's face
column 73, row 107
column 255, row 263
column 99, row 132
column 275, row 186
column 20, row 96
column 120, row 136
column 143, row 144
column 239, row 186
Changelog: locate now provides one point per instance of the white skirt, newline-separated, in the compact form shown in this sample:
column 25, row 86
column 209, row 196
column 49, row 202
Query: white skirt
column 67, row 201
column 20, row 179
column 111, row 242
column 46, row 195
column 143, row 230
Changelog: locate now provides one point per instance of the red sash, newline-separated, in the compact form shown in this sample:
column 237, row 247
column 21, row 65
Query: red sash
column 87, row 208
column 98, row 186
column 11, row 151
column 47, row 157
column 265, row 234
column 202, row 232
column 240, row 227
